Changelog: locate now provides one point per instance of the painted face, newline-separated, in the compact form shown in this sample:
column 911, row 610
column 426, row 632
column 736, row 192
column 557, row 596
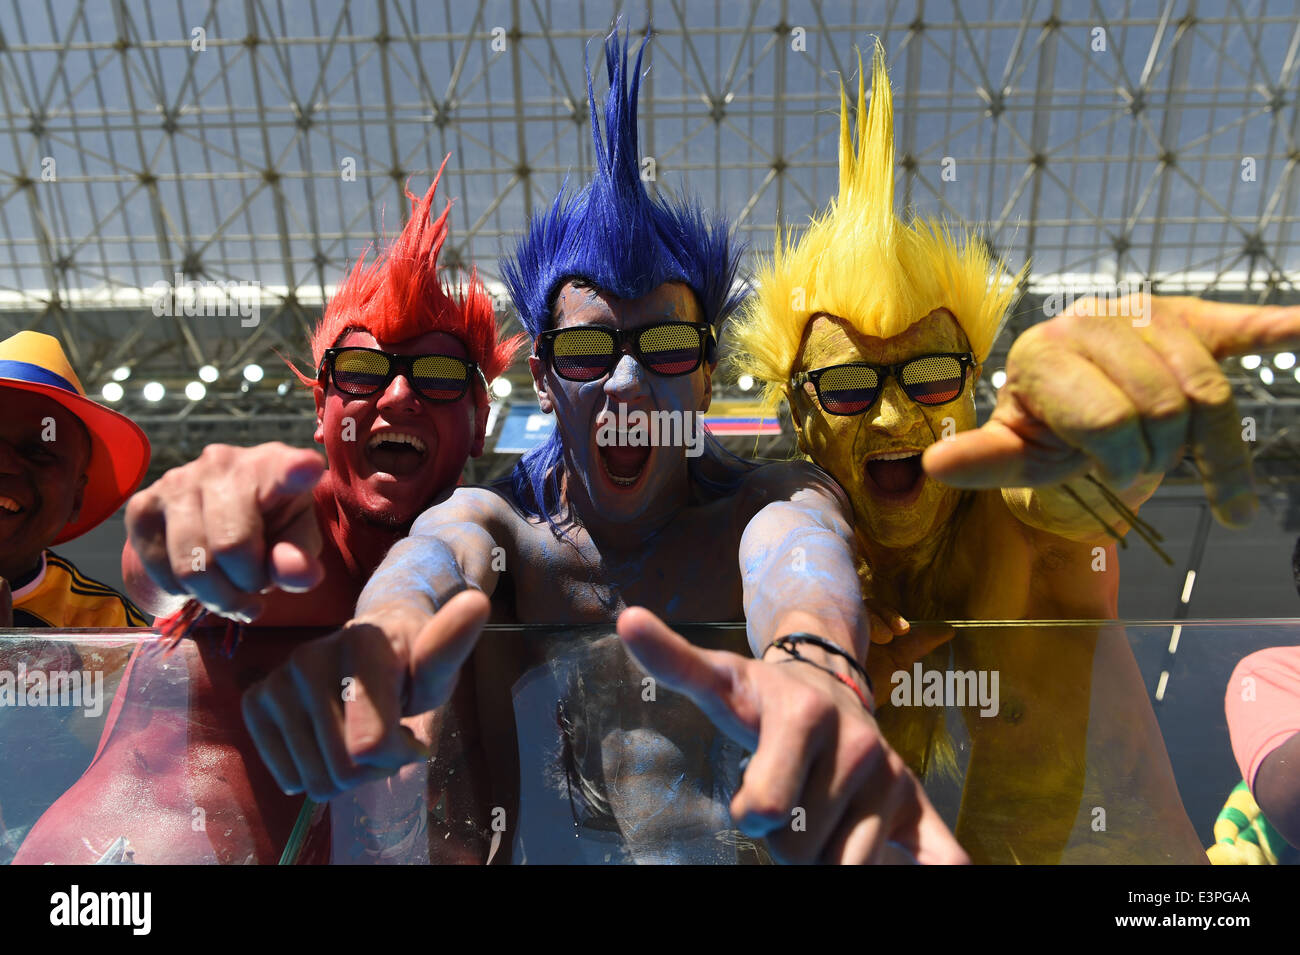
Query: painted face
column 392, row 452
column 623, row 483
column 876, row 455
column 41, row 481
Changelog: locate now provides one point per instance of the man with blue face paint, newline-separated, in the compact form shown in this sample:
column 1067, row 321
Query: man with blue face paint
column 622, row 294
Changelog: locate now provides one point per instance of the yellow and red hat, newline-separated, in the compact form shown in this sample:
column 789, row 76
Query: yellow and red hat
column 119, row 450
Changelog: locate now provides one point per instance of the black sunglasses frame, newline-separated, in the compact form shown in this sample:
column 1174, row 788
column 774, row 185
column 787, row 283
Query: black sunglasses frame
column 397, row 365
column 625, row 343
column 895, row 371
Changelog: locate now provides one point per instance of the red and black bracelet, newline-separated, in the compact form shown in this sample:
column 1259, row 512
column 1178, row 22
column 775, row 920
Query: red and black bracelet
column 789, row 644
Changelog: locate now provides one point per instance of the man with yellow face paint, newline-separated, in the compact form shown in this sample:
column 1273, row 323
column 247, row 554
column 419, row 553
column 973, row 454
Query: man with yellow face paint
column 875, row 331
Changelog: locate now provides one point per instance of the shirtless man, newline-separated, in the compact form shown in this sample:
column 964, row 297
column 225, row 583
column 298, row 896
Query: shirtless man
column 631, row 289
column 1117, row 397
column 286, row 543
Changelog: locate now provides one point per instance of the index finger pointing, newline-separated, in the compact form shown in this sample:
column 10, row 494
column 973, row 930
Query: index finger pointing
column 706, row 677
column 1229, row 329
column 442, row 647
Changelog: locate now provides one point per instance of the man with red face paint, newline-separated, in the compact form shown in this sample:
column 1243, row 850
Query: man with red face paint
column 271, row 536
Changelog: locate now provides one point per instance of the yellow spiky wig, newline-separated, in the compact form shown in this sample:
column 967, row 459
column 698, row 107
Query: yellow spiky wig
column 860, row 262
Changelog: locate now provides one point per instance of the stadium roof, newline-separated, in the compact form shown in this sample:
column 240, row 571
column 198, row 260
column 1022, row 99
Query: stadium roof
column 265, row 144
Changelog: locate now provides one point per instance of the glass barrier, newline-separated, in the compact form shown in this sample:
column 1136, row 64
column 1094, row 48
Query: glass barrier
column 1044, row 742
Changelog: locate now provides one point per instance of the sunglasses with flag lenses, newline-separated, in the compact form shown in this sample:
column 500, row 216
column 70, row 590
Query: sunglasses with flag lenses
column 852, row 388
column 588, row 352
column 361, row 372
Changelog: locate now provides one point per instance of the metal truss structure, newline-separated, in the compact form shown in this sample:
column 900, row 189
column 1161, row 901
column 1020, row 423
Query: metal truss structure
column 256, row 148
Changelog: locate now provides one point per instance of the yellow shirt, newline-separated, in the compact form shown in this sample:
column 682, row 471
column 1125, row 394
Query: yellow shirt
column 62, row 597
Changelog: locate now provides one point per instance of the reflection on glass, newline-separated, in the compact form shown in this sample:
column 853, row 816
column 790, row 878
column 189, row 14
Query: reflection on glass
column 1037, row 743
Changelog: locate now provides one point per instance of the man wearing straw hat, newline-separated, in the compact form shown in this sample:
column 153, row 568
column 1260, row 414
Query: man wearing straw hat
column 66, row 464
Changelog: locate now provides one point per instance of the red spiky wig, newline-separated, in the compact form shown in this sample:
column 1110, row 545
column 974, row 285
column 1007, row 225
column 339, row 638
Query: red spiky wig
column 401, row 294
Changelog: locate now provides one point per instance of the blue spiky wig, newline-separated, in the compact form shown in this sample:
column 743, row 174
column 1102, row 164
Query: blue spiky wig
column 618, row 237
column 613, row 233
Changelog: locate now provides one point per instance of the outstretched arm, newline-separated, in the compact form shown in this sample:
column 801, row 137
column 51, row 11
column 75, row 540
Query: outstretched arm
column 1119, row 390
column 450, row 549
column 822, row 785
column 798, row 562
column 331, row 718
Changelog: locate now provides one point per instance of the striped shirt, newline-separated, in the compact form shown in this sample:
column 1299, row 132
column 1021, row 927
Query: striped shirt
column 62, row 597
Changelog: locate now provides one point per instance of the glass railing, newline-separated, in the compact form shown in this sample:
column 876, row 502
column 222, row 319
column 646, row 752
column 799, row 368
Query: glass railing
column 1045, row 742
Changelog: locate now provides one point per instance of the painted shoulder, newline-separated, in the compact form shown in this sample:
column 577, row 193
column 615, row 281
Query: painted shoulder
column 792, row 476
column 489, row 507
column 788, row 480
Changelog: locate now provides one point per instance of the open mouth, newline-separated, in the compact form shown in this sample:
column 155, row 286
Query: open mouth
column 622, row 465
column 398, row 453
column 9, row 506
column 896, row 476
